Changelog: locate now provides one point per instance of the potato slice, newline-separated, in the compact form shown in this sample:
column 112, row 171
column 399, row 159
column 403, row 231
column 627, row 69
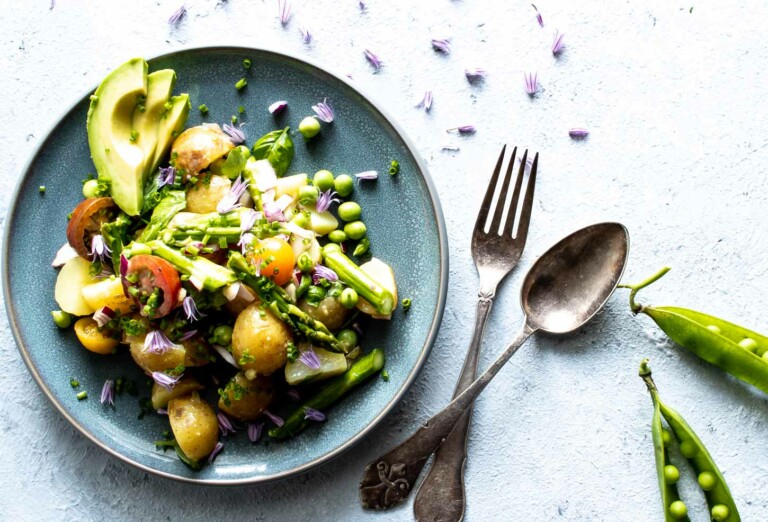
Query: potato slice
column 74, row 275
column 383, row 274
column 194, row 426
column 108, row 292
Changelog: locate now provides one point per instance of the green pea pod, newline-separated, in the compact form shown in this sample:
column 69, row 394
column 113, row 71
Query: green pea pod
column 714, row 340
column 668, row 490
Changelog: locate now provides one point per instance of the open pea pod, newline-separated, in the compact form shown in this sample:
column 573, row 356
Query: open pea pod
column 737, row 350
column 668, row 490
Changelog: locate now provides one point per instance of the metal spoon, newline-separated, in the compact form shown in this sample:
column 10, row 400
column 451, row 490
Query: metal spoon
column 563, row 290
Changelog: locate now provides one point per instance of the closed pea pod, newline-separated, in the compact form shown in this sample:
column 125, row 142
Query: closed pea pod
column 735, row 349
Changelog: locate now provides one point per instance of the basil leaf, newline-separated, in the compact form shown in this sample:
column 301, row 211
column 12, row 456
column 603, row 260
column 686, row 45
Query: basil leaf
column 277, row 148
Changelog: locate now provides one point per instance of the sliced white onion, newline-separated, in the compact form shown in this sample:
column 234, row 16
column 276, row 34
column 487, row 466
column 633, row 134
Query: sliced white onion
column 245, row 294
column 224, row 353
column 284, row 202
column 290, row 291
column 268, row 196
column 297, row 231
column 230, row 291
column 264, row 175
column 196, row 282
column 64, row 254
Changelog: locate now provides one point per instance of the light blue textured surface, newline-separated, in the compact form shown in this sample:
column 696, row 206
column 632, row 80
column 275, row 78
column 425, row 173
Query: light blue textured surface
column 675, row 103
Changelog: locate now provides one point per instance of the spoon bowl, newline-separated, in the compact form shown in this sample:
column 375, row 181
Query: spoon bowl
column 571, row 281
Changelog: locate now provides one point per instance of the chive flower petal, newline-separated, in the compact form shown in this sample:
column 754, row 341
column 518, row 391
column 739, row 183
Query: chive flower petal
column 441, row 45
column 216, row 450
column 225, row 424
column 167, row 176
column 313, row 414
column 108, row 392
column 426, row 101
column 323, row 272
column 246, row 240
column 284, row 11
column 368, row 174
column 278, row 107
column 361, row 4
column 538, row 16
column 324, row 111
column 464, row 129
column 310, row 359
column 236, row 134
column 531, row 83
column 255, row 430
column 557, row 44
column 306, row 35
column 475, row 74
column 325, row 199
column 273, row 212
column 190, row 309
column 162, row 411
column 103, row 315
column 188, row 335
column 578, row 133
column 178, row 15
column 276, row 419
column 157, row 342
column 232, row 200
column 373, row 59
column 99, row 248
column 165, row 380
column 293, row 394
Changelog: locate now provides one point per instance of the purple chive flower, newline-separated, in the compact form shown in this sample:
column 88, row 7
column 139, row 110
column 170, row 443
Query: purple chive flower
column 246, row 240
column 356, row 327
column 225, row 424
column 310, row 359
column 426, row 102
column 293, row 393
column 274, row 418
column 313, row 414
column 99, row 248
column 216, row 450
column 284, row 10
column 248, row 218
column 157, row 342
column 278, row 107
column 162, row 411
column 373, row 59
column 236, row 134
column 188, row 335
column 324, row 111
column 557, row 44
column 531, row 83
column 360, row 3
column 232, row 200
column 368, row 174
column 441, row 45
column 475, row 74
column 305, row 34
column 177, row 15
column 167, row 176
column 103, row 315
column 578, row 133
column 254, row 431
column 190, row 309
column 464, row 129
column 538, row 16
column 323, row 272
column 108, row 392
column 273, row 212
column 165, row 380
column 325, row 199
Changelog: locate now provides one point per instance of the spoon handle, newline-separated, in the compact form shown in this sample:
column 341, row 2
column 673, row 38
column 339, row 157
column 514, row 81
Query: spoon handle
column 388, row 480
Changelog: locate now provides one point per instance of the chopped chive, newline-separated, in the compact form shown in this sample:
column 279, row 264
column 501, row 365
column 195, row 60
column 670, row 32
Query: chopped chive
column 41, row 189
column 406, row 304
column 74, row 383
column 241, row 83
column 241, row 109
column 203, row 108
column 385, row 375
column 394, row 167
column 168, row 106
column 134, row 135
column 82, row 395
column 247, row 63
column 234, row 119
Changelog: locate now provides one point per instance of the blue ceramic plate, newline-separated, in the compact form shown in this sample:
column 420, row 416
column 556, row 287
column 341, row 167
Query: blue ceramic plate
column 405, row 225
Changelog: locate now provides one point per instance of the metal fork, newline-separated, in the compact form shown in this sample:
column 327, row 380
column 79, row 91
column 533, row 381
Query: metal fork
column 441, row 495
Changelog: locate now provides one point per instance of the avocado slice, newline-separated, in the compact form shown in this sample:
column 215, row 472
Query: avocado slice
column 171, row 124
column 147, row 116
column 109, row 124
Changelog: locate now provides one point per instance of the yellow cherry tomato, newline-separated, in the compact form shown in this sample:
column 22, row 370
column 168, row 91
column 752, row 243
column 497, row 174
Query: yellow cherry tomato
column 89, row 335
column 276, row 259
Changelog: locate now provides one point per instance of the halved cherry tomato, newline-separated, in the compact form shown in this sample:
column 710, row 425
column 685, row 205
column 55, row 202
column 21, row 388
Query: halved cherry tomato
column 150, row 273
column 86, row 222
column 92, row 339
column 275, row 258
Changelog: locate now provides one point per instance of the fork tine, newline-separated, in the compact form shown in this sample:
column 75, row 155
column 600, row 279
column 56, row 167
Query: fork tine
column 525, row 214
column 502, row 202
column 508, row 226
column 482, row 216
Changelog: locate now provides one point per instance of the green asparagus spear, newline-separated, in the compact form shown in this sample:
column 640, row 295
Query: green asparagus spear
column 349, row 273
column 204, row 273
column 172, row 203
column 361, row 370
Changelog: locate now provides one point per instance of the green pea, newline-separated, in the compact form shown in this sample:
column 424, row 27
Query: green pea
column 61, row 319
column 355, row 230
column 222, row 335
column 91, row 188
column 308, row 195
column 349, row 298
column 713, row 328
column 309, row 127
column 348, row 338
column 749, row 344
column 678, row 509
column 315, row 294
column 707, row 480
column 337, row 236
column 720, row 513
column 666, row 437
column 671, row 474
column 344, row 185
column 689, row 449
column 305, row 262
column 323, row 180
column 301, row 220
column 349, row 211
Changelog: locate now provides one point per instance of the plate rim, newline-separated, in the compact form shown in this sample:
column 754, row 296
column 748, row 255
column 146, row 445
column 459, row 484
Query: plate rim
column 359, row 436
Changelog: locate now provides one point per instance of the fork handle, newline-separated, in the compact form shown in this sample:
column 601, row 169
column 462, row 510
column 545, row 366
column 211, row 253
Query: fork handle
column 441, row 495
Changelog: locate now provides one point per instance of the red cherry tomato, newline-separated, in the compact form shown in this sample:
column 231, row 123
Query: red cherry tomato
column 275, row 258
column 146, row 274
column 86, row 222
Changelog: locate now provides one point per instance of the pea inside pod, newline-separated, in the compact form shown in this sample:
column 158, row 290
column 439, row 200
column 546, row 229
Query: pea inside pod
column 735, row 349
column 711, row 480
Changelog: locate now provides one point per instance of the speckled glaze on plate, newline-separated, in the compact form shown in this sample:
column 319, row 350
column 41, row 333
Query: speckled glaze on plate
column 405, row 225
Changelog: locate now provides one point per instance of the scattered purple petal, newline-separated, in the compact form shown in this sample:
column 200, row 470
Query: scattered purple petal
column 165, row 380
column 177, row 15
column 528, row 162
column 531, row 83
column 441, row 45
column 273, row 212
column 99, row 248
column 475, row 74
column 188, row 335
column 538, row 16
column 246, row 240
column 368, row 174
column 578, row 133
column 373, row 59
column 426, row 102
column 284, row 10
column 356, row 327
column 464, row 129
column 225, row 424
column 325, row 199
column 224, row 353
column 167, row 176
column 232, row 200
column 190, row 309
column 278, row 107
column 103, row 315
column 162, row 411
column 360, row 3
column 248, row 218
column 324, row 111
column 53, row 4
column 108, row 392
column 323, row 272
column 557, row 44
column 276, row 419
column 451, row 148
column 255, row 430
column 306, row 35
column 236, row 134
column 216, row 450
column 310, row 359
column 313, row 414
column 293, row 394
column 157, row 342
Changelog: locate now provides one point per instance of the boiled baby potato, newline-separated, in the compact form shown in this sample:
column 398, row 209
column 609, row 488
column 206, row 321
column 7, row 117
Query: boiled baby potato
column 329, row 311
column 74, row 276
column 383, row 274
column 156, row 362
column 259, row 341
column 197, row 352
column 161, row 396
column 245, row 400
column 204, row 196
column 109, row 293
column 198, row 147
column 194, row 425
